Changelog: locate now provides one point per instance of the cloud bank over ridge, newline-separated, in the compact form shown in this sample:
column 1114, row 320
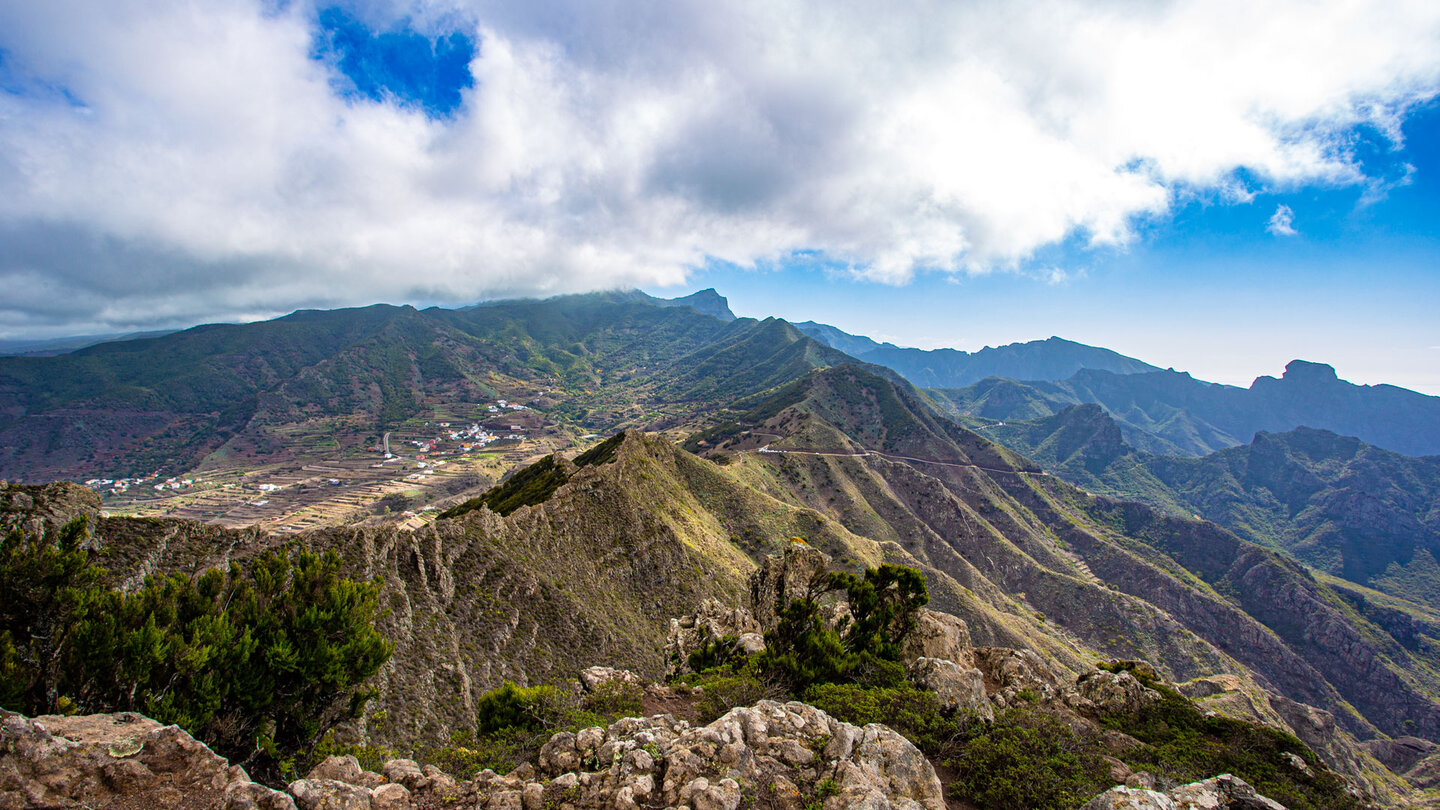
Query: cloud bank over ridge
column 168, row 161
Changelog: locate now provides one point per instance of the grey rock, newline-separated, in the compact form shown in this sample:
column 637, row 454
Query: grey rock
column 328, row 794
column 955, row 686
column 252, row 796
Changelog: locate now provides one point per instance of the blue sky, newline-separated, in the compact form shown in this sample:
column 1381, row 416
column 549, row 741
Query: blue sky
column 1216, row 186
column 1209, row 290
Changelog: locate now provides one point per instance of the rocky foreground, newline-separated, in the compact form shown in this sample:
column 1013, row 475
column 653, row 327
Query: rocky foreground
column 786, row 756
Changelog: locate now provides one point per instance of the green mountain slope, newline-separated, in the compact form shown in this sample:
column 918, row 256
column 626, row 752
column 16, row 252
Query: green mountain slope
column 1351, row 510
column 1121, row 579
column 162, row 404
column 1171, row 413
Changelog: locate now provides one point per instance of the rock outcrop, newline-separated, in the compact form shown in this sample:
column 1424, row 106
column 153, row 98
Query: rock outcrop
column 710, row 622
column 956, row 687
column 1014, row 677
column 783, row 578
column 95, row 760
column 790, row 755
column 1102, row 692
column 1224, row 792
column 784, row 752
column 938, row 635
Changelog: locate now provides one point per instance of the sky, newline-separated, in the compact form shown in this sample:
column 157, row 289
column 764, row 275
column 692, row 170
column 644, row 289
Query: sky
column 1209, row 185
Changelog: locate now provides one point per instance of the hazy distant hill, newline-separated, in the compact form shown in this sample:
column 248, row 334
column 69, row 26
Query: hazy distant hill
column 1171, row 413
column 1051, row 359
column 49, row 347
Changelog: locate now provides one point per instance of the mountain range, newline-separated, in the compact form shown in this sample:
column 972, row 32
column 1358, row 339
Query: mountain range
column 1294, row 568
column 1051, row 359
column 1170, row 412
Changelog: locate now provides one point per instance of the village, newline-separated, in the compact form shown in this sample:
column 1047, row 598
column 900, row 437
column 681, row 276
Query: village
column 406, row 475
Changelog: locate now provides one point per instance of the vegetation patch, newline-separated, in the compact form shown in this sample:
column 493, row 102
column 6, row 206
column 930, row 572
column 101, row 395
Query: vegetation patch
column 602, row 453
column 529, row 487
column 1026, row 758
column 256, row 661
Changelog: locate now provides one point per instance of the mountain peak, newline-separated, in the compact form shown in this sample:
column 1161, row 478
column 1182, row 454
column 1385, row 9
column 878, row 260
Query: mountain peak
column 1305, row 371
column 708, row 302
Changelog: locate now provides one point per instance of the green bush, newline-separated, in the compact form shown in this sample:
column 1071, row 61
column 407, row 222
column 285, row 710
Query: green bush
column 914, row 713
column 468, row 754
column 716, row 652
column 614, row 699
column 721, row 694
column 511, row 707
column 1024, row 759
column 802, row 651
column 1184, row 744
column 513, row 723
column 258, row 661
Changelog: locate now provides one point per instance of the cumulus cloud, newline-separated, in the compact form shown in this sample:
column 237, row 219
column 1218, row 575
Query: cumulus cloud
column 1282, row 222
column 166, row 162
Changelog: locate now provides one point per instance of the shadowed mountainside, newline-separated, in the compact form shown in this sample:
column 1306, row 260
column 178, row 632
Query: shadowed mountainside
column 1171, row 413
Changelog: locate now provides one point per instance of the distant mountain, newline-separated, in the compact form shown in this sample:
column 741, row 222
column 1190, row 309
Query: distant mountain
column 49, row 347
column 706, row 301
column 1171, row 413
column 1358, row 512
column 164, row 403
column 853, row 345
column 1051, row 359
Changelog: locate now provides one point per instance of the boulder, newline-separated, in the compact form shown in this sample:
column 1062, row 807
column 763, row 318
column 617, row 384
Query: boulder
column 403, row 771
column 956, row 687
column 54, row 761
column 1100, row 692
column 938, row 635
column 252, row 796
column 1224, row 792
column 1128, row 798
column 595, row 677
column 390, row 797
column 328, row 794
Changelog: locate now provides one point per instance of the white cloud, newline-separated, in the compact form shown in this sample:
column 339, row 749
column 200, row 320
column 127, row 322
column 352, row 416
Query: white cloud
column 212, row 171
column 1282, row 222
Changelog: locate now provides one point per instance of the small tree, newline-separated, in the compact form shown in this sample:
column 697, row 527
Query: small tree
column 802, row 650
column 42, row 583
column 258, row 660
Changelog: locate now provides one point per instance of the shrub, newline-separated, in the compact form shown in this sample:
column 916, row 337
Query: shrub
column 802, row 650
column 1024, row 759
column 257, row 661
column 614, row 699
column 1184, row 744
column 511, row 707
column 914, row 713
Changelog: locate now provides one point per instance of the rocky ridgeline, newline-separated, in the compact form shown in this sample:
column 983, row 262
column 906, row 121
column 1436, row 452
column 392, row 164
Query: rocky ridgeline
column 791, row 754
column 785, row 756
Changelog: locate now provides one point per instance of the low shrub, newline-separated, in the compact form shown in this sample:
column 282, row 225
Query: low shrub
column 1026, row 759
column 1183, row 744
column 914, row 713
